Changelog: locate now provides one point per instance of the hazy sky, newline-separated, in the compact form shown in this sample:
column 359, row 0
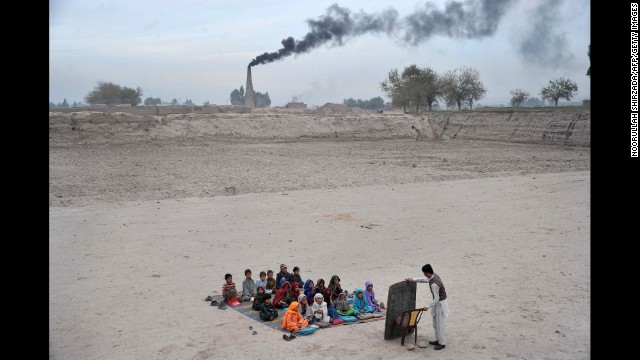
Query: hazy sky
column 200, row 49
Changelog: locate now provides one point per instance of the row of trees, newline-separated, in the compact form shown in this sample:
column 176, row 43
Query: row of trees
column 260, row 100
column 557, row 89
column 373, row 103
column 425, row 87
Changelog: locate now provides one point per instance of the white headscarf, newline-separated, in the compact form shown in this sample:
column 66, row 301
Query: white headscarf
column 317, row 306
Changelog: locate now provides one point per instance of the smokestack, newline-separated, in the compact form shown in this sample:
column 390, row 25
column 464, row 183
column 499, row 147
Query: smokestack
column 248, row 92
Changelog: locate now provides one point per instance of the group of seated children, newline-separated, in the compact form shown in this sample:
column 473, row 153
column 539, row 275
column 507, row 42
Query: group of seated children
column 313, row 303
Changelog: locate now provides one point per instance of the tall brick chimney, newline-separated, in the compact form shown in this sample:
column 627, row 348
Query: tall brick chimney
column 248, row 92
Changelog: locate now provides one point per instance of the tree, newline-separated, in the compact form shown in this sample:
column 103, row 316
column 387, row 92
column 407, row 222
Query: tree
column 206, row 103
column 395, row 90
column 534, row 102
column 372, row 104
column 518, row 96
column 559, row 89
column 462, row 85
column 262, row 100
column 51, row 104
column 236, row 97
column 112, row 94
column 152, row 101
column 64, row 104
column 188, row 102
column 413, row 80
column 475, row 88
column 453, row 91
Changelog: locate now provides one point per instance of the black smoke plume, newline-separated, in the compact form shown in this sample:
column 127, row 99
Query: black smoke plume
column 471, row 19
column 337, row 24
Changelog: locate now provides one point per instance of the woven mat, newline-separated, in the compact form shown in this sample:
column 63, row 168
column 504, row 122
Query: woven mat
column 245, row 309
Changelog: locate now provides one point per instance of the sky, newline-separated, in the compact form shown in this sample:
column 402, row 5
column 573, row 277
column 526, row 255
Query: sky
column 200, row 50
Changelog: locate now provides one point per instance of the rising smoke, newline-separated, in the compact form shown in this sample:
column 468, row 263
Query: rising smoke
column 336, row 25
column 543, row 45
column 471, row 19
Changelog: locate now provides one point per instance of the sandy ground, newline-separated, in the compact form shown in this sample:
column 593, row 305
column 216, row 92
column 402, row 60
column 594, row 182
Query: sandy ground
column 140, row 233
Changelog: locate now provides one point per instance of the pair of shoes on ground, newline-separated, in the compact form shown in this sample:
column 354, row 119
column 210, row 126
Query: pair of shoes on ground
column 214, row 302
column 209, row 298
column 289, row 337
column 436, row 345
column 222, row 306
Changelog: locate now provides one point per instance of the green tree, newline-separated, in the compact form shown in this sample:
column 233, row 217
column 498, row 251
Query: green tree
column 518, row 96
column 262, row 100
column 372, row 104
column 112, row 94
column 453, row 90
column 237, row 96
column 174, row 101
column 431, row 86
column 534, row 102
column 395, row 90
column 51, row 104
column 559, row 89
column 413, row 81
column 462, row 85
column 152, row 101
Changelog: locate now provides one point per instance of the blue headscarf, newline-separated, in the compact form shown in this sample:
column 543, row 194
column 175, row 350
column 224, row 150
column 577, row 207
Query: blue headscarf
column 309, row 292
column 357, row 302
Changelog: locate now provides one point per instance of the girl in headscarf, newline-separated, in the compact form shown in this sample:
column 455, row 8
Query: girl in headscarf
column 305, row 308
column 342, row 306
column 336, row 290
column 292, row 320
column 283, row 297
column 319, row 308
column 259, row 298
column 321, row 289
column 360, row 305
column 309, row 291
column 295, row 290
column 371, row 297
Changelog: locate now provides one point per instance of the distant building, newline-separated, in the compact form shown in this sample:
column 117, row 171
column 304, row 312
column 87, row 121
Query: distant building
column 296, row 105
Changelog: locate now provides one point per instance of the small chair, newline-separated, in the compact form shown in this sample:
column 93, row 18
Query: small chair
column 409, row 320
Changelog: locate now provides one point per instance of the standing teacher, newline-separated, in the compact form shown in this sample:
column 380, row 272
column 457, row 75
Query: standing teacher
column 439, row 306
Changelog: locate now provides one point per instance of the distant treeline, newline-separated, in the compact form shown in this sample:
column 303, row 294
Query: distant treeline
column 373, row 103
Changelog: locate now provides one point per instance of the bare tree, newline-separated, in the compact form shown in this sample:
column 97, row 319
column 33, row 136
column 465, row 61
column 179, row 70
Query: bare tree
column 518, row 96
column 559, row 89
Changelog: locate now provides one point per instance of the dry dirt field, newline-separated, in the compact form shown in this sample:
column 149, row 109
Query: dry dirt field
column 146, row 217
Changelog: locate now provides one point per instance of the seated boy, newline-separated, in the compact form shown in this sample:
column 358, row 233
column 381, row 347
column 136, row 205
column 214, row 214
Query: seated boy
column 262, row 281
column 271, row 283
column 228, row 288
column 248, row 287
column 267, row 312
column 296, row 277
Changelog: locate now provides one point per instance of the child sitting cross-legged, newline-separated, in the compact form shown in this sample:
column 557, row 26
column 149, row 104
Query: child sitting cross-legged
column 267, row 312
column 259, row 298
column 305, row 309
column 360, row 304
column 229, row 288
column 292, row 320
column 343, row 307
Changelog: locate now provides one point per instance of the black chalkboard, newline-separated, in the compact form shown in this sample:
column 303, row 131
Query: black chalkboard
column 402, row 297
